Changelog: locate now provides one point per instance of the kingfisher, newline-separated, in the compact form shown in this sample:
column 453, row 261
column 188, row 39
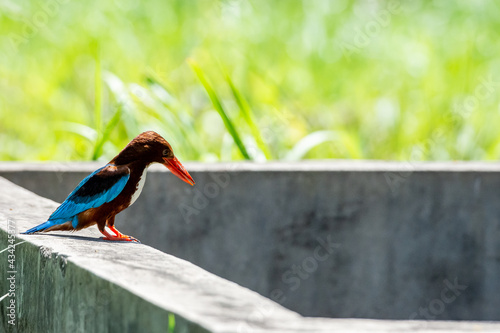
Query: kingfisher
column 113, row 187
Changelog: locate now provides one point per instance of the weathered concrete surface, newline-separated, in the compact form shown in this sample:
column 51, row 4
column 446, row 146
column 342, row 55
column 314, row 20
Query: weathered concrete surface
column 406, row 240
column 79, row 283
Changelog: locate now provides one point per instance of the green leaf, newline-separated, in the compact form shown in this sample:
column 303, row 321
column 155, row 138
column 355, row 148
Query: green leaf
column 97, row 87
column 82, row 130
column 106, row 133
column 171, row 322
column 247, row 115
column 308, row 142
column 220, row 109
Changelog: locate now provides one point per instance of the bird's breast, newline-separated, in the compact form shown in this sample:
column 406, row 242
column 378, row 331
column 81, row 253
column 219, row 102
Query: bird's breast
column 139, row 186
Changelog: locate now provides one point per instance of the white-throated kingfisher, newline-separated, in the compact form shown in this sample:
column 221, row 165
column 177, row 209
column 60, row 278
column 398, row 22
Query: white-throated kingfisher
column 112, row 188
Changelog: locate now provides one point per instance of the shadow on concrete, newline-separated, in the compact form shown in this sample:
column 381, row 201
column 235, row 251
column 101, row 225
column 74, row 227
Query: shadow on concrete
column 83, row 238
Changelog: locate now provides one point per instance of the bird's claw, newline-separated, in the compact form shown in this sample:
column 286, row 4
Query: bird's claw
column 123, row 238
column 132, row 239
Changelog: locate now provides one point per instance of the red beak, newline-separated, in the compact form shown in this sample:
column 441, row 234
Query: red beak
column 178, row 169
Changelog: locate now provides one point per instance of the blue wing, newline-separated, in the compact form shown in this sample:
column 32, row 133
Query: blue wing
column 101, row 186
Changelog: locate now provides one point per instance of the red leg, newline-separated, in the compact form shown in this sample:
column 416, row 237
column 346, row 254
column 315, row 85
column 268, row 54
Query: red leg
column 118, row 235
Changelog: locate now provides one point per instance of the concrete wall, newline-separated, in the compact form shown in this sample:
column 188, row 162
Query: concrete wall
column 61, row 282
column 79, row 283
column 339, row 239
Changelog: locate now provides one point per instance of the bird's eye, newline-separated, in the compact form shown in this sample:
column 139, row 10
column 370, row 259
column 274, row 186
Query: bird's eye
column 166, row 152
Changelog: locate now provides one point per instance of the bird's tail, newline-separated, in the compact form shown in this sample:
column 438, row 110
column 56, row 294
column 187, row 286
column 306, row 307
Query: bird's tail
column 40, row 227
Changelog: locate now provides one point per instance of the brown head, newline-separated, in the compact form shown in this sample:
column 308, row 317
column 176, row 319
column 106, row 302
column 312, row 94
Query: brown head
column 150, row 147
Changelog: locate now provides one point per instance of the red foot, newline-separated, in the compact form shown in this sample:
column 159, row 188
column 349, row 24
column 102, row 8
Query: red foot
column 118, row 236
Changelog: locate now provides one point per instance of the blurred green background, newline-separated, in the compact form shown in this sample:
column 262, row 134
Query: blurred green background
column 237, row 79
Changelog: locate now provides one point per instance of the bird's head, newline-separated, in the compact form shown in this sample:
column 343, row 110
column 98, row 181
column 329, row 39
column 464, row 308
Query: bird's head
column 150, row 147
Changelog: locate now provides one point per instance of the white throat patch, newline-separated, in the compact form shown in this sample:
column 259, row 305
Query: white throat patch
column 139, row 187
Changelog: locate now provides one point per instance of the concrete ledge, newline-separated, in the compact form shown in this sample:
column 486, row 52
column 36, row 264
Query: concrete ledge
column 309, row 165
column 78, row 283
column 67, row 282
column 409, row 240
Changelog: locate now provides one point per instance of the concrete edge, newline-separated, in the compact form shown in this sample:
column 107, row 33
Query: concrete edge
column 275, row 166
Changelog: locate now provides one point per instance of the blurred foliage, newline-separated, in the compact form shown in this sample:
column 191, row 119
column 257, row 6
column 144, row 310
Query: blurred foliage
column 412, row 80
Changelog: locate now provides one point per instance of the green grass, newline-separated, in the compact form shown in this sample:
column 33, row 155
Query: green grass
column 220, row 109
column 281, row 80
column 171, row 323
